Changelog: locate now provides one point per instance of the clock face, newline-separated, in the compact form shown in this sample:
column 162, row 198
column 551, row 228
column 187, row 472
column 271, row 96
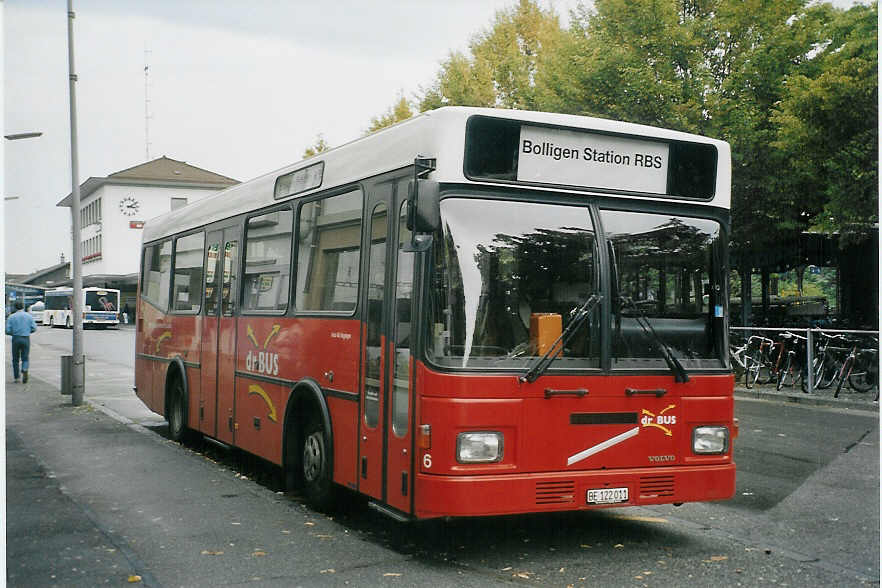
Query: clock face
column 129, row 206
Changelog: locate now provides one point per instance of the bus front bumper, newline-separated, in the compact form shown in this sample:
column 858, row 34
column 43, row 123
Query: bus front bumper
column 466, row 496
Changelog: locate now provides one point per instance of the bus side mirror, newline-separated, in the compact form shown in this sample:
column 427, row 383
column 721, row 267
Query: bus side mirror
column 423, row 209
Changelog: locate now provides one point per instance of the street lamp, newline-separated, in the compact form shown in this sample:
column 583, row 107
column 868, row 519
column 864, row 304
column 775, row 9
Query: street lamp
column 78, row 371
column 18, row 136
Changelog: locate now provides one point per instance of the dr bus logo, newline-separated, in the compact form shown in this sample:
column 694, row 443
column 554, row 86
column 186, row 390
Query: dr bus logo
column 262, row 362
column 650, row 419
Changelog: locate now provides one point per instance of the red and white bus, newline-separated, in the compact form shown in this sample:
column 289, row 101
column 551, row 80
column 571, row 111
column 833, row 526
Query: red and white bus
column 474, row 312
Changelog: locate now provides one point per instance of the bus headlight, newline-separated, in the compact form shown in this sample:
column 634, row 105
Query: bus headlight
column 710, row 440
column 479, row 447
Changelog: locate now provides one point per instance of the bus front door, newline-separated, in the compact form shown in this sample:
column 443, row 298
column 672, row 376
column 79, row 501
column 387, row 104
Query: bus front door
column 219, row 335
column 385, row 442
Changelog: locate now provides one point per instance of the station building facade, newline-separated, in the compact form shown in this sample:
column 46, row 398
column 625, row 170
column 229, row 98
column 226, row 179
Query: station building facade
column 113, row 211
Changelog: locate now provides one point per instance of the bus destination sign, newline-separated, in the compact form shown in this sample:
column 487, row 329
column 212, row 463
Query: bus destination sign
column 557, row 156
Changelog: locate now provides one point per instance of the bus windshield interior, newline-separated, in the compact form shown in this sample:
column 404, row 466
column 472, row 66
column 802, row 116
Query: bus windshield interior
column 509, row 276
column 102, row 300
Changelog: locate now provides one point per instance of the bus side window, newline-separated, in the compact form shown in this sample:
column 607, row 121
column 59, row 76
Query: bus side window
column 403, row 294
column 228, row 290
column 328, row 253
column 267, row 261
column 157, row 274
column 188, row 273
column 211, row 274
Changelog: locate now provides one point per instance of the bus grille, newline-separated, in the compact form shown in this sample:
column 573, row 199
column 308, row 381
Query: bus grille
column 655, row 486
column 558, row 492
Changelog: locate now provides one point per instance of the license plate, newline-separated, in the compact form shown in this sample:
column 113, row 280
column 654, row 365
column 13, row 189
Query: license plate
column 607, row 496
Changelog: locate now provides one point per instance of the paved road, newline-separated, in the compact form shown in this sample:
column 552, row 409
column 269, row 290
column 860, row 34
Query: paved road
column 92, row 500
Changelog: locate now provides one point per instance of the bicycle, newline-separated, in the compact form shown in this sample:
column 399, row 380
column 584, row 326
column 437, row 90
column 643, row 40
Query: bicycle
column 751, row 360
column 860, row 369
column 826, row 362
column 794, row 369
column 758, row 363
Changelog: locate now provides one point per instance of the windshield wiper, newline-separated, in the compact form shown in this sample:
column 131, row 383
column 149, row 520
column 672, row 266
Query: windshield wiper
column 674, row 364
column 556, row 348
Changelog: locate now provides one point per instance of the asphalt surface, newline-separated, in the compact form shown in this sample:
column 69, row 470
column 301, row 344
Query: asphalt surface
column 95, row 497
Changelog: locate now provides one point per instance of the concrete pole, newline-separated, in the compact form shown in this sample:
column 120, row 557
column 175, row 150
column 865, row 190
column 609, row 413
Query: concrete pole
column 78, row 371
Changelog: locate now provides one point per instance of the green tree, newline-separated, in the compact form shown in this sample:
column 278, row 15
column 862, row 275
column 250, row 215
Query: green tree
column 503, row 63
column 398, row 112
column 317, row 147
column 827, row 128
column 633, row 61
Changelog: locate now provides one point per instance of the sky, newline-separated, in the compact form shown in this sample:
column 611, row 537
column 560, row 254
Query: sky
column 238, row 88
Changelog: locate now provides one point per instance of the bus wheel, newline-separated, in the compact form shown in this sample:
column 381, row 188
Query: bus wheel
column 316, row 466
column 177, row 412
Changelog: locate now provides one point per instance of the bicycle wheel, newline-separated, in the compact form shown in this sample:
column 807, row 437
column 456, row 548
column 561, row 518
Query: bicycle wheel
column 752, row 369
column 843, row 374
column 785, row 375
column 827, row 373
column 862, row 379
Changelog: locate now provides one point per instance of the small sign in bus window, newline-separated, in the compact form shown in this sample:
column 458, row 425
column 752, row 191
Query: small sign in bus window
column 300, row 180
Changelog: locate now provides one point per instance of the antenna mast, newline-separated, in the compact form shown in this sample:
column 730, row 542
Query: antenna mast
column 146, row 104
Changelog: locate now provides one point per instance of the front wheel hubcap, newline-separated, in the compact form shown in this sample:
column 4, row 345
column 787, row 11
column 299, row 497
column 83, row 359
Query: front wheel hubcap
column 312, row 457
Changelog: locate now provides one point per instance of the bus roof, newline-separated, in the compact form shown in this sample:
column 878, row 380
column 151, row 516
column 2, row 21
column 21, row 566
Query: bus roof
column 438, row 134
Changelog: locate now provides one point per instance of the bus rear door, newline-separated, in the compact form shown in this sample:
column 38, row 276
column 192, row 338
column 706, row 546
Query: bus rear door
column 219, row 334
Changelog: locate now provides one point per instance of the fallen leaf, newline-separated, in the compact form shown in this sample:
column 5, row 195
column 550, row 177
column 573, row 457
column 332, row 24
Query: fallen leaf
column 618, row 546
column 506, row 569
column 524, row 575
column 207, row 552
column 285, row 532
column 328, row 571
column 585, row 546
column 391, row 575
column 719, row 557
column 324, row 536
column 134, row 579
column 259, row 553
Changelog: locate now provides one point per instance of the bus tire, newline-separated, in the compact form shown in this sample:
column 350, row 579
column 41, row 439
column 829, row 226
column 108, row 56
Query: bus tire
column 177, row 411
column 315, row 462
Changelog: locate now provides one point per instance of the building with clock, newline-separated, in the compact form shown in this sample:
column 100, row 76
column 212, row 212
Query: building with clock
column 113, row 210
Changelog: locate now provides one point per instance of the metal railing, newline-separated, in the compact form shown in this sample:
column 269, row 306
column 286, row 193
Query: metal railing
column 809, row 335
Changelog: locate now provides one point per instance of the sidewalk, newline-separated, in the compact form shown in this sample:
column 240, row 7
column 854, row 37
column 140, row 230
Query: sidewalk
column 848, row 398
column 93, row 500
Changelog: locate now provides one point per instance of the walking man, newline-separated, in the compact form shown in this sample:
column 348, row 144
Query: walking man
column 20, row 325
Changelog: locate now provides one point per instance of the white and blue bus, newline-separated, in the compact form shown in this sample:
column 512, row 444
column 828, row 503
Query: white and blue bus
column 100, row 307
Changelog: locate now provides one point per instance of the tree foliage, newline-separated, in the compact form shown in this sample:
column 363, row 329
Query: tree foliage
column 398, row 112
column 504, row 63
column 790, row 84
column 317, row 147
column 827, row 129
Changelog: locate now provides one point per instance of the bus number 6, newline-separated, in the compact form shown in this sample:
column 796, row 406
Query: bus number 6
column 427, row 461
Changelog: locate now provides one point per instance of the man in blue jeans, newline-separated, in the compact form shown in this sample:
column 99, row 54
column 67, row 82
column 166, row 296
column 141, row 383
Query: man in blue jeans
column 20, row 325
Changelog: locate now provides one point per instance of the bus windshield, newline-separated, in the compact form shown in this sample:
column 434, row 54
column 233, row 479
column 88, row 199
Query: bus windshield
column 508, row 277
column 102, row 300
column 664, row 269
